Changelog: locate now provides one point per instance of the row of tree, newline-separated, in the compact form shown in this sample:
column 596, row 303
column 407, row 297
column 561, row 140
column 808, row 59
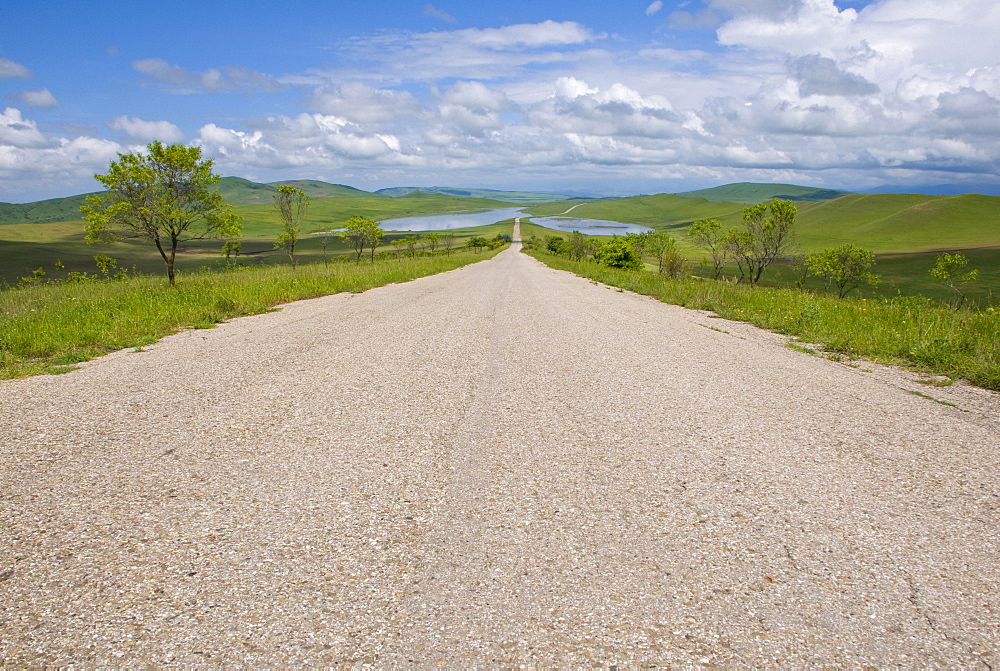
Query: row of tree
column 167, row 196
column 765, row 235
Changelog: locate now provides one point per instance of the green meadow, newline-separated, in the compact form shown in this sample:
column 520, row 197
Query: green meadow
column 25, row 247
column 906, row 231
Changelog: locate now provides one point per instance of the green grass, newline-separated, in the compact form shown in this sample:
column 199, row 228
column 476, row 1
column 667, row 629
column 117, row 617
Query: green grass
column 46, row 327
column 884, row 223
column 910, row 331
column 25, row 247
column 751, row 193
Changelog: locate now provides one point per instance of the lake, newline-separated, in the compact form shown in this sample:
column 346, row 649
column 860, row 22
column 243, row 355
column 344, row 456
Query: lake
column 441, row 222
column 589, row 226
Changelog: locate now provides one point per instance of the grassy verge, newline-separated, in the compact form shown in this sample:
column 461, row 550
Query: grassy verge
column 910, row 330
column 46, row 328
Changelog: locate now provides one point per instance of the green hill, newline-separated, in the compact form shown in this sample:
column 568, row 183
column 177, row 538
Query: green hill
column 885, row 223
column 662, row 211
column 43, row 211
column 895, row 223
column 749, row 192
column 491, row 194
column 317, row 189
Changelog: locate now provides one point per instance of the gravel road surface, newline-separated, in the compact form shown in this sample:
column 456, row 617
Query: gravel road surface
column 500, row 465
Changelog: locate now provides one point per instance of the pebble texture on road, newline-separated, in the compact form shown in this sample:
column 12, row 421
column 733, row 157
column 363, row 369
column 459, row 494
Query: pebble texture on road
column 500, row 465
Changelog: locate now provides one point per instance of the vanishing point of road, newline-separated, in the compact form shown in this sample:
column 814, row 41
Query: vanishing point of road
column 501, row 465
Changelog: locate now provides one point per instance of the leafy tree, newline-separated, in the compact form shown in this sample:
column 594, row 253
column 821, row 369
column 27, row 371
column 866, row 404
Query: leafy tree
column 556, row 244
column 846, row 267
column 766, row 233
column 668, row 257
column 477, row 243
column 639, row 242
column 164, row 196
column 356, row 234
column 231, row 250
column 949, row 269
column 710, row 236
column 433, row 240
column 595, row 248
column 618, row 253
column 410, row 242
column 398, row 244
column 291, row 204
column 577, row 245
column 374, row 234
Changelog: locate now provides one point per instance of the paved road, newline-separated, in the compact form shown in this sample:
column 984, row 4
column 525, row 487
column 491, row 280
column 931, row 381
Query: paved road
column 500, row 465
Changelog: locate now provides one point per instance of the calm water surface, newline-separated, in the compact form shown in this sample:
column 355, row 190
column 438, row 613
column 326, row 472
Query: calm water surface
column 441, row 222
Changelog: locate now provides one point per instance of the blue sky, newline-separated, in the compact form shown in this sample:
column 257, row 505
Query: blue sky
column 597, row 97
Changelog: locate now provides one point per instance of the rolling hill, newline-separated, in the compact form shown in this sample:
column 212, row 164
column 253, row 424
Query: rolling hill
column 750, row 193
column 885, row 223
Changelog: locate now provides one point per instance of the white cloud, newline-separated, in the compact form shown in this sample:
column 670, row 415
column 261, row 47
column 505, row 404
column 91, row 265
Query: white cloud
column 365, row 104
column 16, row 131
column 435, row 13
column 42, row 98
column 146, row 131
column 471, row 53
column 178, row 80
column 11, row 70
column 654, row 7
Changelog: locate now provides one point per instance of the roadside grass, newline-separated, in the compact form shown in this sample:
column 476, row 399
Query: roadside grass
column 906, row 330
column 26, row 247
column 46, row 328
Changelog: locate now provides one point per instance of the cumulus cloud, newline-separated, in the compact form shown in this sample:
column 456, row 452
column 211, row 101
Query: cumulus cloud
column 365, row 104
column 654, row 7
column 146, row 131
column 818, row 75
column 19, row 132
column 11, row 70
column 435, row 13
column 178, row 80
column 314, row 140
column 34, row 166
column 42, row 98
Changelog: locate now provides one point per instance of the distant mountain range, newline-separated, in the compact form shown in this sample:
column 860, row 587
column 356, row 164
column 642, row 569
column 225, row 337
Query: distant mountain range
column 520, row 197
column 239, row 191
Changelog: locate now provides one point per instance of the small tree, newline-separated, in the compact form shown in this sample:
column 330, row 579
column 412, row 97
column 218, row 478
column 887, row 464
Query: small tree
column 668, row 257
column 448, row 241
column 710, row 236
column 165, row 196
column 556, row 244
column 766, row 233
column 324, row 239
column 477, row 243
column 291, row 204
column 356, row 234
column 618, row 253
column 374, row 234
column 845, row 267
column 433, row 240
column 639, row 242
column 949, row 269
column 231, row 250
column 577, row 245
column 411, row 242
column 595, row 248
